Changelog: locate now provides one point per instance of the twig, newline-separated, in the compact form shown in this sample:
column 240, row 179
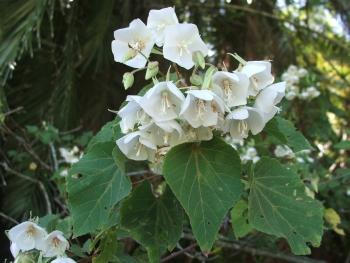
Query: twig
column 39, row 183
column 13, row 111
column 72, row 130
column 54, row 156
column 9, row 218
column 178, row 253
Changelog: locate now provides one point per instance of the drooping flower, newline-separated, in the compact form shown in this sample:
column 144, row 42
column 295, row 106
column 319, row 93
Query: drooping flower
column 14, row 249
column 163, row 101
column 165, row 133
column 133, row 45
column 283, row 151
column 202, row 108
column 259, row 74
column 55, row 244
column 180, row 42
column 70, row 156
column 231, row 87
column 197, row 134
column 137, row 147
column 132, row 114
column 250, row 154
column 27, row 236
column 244, row 119
column 63, row 260
column 158, row 20
column 268, row 98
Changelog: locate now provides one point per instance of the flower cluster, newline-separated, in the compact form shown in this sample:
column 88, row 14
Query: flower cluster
column 231, row 103
column 29, row 236
column 293, row 88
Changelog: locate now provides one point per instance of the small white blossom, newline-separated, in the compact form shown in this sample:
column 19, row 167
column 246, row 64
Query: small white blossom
column 180, row 42
column 14, row 249
column 27, row 236
column 158, row 20
column 132, row 114
column 70, row 156
column 283, row 151
column 259, row 74
column 163, row 101
column 231, row 87
column 202, row 108
column 166, row 133
column 250, row 154
column 63, row 260
column 268, row 98
column 242, row 120
column 137, row 147
column 302, row 72
column 133, row 45
column 291, row 95
column 55, row 244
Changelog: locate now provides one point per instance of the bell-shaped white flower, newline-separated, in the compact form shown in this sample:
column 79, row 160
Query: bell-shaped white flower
column 259, row 74
column 63, row 260
column 163, row 101
column 242, row 120
column 27, row 236
column 165, row 133
column 231, row 87
column 132, row 114
column 137, row 147
column 14, row 249
column 198, row 134
column 158, row 20
column 133, row 45
column 55, row 244
column 180, row 42
column 202, row 108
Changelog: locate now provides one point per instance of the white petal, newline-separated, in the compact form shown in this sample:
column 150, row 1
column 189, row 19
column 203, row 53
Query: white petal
column 63, row 260
column 202, row 94
column 256, row 122
column 238, row 114
column 14, row 250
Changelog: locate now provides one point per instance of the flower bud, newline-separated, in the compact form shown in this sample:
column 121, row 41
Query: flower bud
column 152, row 69
column 25, row 258
column 198, row 59
column 196, row 80
column 128, row 80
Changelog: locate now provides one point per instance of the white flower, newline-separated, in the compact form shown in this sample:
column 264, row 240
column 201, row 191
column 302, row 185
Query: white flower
column 69, row 156
column 290, row 78
column 231, row 87
column 302, row 72
column 55, row 244
column 202, row 108
column 158, row 20
column 14, row 249
column 291, row 95
column 242, row 120
column 250, row 154
column 133, row 45
column 259, row 74
column 313, row 92
column 132, row 114
column 63, row 260
column 198, row 134
column 180, row 42
column 163, row 101
column 64, row 173
column 268, row 98
column 136, row 147
column 163, row 133
column 283, row 151
column 27, row 236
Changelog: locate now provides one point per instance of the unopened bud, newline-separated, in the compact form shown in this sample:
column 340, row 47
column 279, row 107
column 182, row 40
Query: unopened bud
column 198, row 59
column 152, row 69
column 128, row 80
column 196, row 80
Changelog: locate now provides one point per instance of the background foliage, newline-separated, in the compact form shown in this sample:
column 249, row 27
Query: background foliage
column 58, row 78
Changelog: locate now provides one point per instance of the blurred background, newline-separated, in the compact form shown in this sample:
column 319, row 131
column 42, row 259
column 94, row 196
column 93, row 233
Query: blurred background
column 58, row 80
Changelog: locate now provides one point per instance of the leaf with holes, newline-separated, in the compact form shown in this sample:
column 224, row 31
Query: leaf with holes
column 205, row 177
column 100, row 186
column 279, row 206
column 239, row 218
column 154, row 222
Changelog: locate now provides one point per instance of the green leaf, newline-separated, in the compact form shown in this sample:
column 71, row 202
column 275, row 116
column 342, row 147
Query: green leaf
column 108, row 248
column 102, row 184
column 279, row 206
column 285, row 132
column 343, row 145
column 154, row 222
column 239, row 218
column 205, row 178
column 108, row 133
